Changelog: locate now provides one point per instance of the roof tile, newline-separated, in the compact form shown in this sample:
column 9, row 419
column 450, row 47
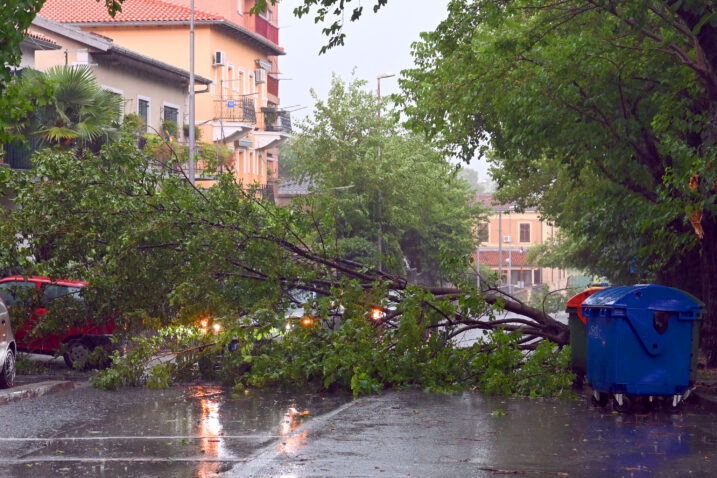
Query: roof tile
column 91, row 11
column 40, row 36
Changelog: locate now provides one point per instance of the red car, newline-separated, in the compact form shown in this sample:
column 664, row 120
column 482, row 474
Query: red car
column 75, row 342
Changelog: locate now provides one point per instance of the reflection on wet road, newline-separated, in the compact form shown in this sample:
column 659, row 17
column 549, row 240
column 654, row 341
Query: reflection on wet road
column 416, row 434
column 194, row 431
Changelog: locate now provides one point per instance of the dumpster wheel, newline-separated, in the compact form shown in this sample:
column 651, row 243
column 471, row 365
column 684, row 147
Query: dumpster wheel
column 598, row 399
column 622, row 403
column 674, row 403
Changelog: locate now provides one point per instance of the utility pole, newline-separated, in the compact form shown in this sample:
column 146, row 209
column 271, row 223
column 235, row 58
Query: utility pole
column 192, row 139
column 500, row 245
column 380, row 199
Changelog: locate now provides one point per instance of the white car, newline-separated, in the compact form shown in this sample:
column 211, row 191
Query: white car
column 8, row 348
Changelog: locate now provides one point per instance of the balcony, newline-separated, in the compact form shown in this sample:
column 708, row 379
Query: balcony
column 276, row 120
column 234, row 118
column 239, row 109
column 266, row 29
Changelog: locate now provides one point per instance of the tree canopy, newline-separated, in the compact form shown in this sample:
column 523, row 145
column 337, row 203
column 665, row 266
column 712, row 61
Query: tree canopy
column 600, row 113
column 333, row 9
column 385, row 184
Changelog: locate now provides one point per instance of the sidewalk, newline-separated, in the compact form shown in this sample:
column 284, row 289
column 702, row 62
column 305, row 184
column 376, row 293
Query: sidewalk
column 705, row 394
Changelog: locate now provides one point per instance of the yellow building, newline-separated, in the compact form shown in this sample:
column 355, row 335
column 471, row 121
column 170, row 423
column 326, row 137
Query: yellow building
column 505, row 249
column 238, row 52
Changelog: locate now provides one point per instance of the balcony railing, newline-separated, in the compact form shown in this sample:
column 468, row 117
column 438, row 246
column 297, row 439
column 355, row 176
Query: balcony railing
column 17, row 155
column 238, row 108
column 266, row 29
column 272, row 119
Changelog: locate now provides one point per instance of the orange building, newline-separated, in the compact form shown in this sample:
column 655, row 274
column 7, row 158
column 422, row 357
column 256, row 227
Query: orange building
column 505, row 249
column 235, row 50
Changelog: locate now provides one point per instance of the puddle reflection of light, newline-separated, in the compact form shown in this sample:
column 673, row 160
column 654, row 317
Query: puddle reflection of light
column 292, row 419
column 210, row 429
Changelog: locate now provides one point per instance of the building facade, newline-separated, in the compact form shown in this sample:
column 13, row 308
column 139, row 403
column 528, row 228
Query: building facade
column 238, row 52
column 507, row 236
column 154, row 90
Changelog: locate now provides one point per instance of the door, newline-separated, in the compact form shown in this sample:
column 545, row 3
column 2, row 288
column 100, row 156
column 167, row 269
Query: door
column 65, row 300
column 4, row 328
column 19, row 296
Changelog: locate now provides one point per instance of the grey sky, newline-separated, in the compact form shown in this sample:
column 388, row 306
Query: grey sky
column 377, row 43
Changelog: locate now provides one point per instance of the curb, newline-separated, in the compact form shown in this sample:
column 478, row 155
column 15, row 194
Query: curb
column 38, row 389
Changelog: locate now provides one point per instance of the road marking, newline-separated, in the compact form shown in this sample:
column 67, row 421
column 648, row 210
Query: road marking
column 141, row 437
column 149, row 459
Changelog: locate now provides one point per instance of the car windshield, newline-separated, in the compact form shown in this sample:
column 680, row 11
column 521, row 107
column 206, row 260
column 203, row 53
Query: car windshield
column 300, row 296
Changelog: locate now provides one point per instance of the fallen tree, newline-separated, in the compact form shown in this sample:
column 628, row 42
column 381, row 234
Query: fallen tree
column 159, row 254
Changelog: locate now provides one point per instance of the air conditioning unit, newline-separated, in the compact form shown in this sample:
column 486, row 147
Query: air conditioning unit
column 260, row 76
column 220, row 58
column 507, row 238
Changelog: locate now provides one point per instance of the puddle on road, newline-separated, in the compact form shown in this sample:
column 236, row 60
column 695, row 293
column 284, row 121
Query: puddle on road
column 194, row 431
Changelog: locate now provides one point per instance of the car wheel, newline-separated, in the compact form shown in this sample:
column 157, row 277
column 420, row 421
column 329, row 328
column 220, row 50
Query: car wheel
column 76, row 351
column 7, row 375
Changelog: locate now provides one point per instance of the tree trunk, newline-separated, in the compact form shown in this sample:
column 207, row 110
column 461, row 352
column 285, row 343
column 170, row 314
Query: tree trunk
column 708, row 334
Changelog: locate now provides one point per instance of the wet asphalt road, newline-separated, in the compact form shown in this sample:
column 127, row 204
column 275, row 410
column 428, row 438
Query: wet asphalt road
column 201, row 431
column 415, row 434
column 188, row 431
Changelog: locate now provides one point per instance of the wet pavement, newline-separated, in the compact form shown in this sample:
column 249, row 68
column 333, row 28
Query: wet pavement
column 415, row 434
column 203, row 431
column 187, row 431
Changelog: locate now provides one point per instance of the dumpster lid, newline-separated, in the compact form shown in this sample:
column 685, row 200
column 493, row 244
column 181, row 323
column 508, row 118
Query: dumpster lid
column 644, row 296
column 578, row 299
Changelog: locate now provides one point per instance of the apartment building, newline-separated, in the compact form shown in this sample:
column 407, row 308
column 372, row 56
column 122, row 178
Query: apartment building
column 508, row 236
column 238, row 52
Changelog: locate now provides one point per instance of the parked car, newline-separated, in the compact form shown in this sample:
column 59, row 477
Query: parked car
column 8, row 349
column 34, row 296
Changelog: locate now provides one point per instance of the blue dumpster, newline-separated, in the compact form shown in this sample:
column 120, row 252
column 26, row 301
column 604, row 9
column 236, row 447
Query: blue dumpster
column 642, row 341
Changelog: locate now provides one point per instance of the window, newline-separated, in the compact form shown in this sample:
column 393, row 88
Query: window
column 171, row 114
column 170, row 120
column 240, row 81
column 536, row 276
column 52, row 292
column 120, row 94
column 525, row 233
column 143, row 110
column 17, row 293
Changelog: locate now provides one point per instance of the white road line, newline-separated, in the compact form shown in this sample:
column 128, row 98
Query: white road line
column 141, row 437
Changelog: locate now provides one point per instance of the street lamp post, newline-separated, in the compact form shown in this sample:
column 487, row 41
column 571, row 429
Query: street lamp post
column 380, row 199
column 192, row 139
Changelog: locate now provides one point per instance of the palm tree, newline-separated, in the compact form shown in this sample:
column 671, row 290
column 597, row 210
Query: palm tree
column 80, row 113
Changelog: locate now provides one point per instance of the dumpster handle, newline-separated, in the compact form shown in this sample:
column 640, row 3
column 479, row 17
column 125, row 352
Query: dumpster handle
column 651, row 340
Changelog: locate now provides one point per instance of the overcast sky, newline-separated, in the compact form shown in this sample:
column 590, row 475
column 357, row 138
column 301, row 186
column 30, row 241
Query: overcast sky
column 377, row 43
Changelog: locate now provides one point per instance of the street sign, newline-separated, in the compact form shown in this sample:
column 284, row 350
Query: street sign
column 230, row 104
